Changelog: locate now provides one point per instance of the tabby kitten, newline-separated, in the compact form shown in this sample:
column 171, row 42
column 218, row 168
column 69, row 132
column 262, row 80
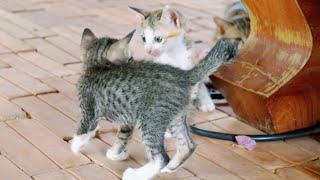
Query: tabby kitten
column 149, row 96
column 235, row 24
column 164, row 38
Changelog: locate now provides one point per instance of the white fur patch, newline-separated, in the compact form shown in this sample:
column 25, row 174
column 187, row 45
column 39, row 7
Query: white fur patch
column 79, row 141
column 166, row 170
column 146, row 172
column 177, row 56
column 115, row 156
column 205, row 102
column 167, row 135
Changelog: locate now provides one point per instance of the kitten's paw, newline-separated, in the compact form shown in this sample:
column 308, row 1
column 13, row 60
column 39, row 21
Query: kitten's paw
column 117, row 157
column 166, row 170
column 167, row 135
column 76, row 144
column 132, row 174
column 128, row 174
column 207, row 107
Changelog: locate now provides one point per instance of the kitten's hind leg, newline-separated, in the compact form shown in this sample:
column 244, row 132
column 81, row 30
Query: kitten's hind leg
column 152, row 133
column 184, row 142
column 119, row 150
column 85, row 131
column 87, row 126
column 204, row 100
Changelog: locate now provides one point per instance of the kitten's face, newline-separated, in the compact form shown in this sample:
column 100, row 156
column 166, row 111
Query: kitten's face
column 97, row 49
column 161, row 30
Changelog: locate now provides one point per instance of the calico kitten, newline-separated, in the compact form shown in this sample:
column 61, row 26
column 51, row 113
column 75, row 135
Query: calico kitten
column 235, row 24
column 164, row 38
column 151, row 97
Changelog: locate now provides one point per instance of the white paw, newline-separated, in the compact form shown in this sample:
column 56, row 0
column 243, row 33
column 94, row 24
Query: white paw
column 166, row 170
column 76, row 144
column 132, row 174
column 115, row 156
column 207, row 107
column 75, row 148
column 167, row 135
column 128, row 174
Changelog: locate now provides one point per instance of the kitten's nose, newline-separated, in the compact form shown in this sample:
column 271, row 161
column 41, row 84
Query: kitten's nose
column 149, row 50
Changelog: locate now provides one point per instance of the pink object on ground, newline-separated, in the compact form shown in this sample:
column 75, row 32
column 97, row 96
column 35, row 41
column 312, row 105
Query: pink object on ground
column 246, row 142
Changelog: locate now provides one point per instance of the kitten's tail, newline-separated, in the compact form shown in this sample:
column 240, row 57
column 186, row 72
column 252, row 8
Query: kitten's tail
column 224, row 51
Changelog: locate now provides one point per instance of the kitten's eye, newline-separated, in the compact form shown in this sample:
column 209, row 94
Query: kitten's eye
column 158, row 39
column 143, row 38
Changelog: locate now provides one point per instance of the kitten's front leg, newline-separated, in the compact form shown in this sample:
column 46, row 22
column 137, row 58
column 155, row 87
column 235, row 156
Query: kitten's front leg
column 204, row 100
column 119, row 150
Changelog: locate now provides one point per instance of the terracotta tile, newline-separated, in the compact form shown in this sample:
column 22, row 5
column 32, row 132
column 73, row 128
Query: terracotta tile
column 118, row 16
column 92, row 171
column 9, row 171
column 55, row 175
column 313, row 166
column 9, row 90
column 46, row 64
column 14, row 44
column 21, row 152
column 293, row 173
column 63, row 87
column 96, row 151
column 26, row 24
column 65, row 9
column 209, row 116
column 262, row 158
column 75, row 67
column 65, row 44
column 191, row 178
column 233, row 162
column 306, row 143
column 4, row 65
column 41, row 17
column 49, row 143
column 64, row 104
column 287, row 152
column 25, row 81
column 68, row 33
column 47, row 115
column 22, row 65
column 14, row 30
column 73, row 79
column 206, row 169
column 51, row 51
column 4, row 49
column 8, row 110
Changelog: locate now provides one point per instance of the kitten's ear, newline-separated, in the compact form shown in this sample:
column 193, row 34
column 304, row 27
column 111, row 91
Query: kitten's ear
column 171, row 16
column 119, row 51
column 140, row 13
column 222, row 24
column 87, row 38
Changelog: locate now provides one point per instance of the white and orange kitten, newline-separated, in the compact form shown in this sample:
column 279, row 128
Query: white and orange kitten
column 164, row 39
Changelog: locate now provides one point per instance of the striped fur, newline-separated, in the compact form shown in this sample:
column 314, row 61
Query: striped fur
column 151, row 97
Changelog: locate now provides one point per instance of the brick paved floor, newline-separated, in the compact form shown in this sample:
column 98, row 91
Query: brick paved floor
column 39, row 68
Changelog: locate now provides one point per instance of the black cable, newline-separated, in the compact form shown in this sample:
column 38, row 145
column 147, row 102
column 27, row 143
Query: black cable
column 259, row 138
